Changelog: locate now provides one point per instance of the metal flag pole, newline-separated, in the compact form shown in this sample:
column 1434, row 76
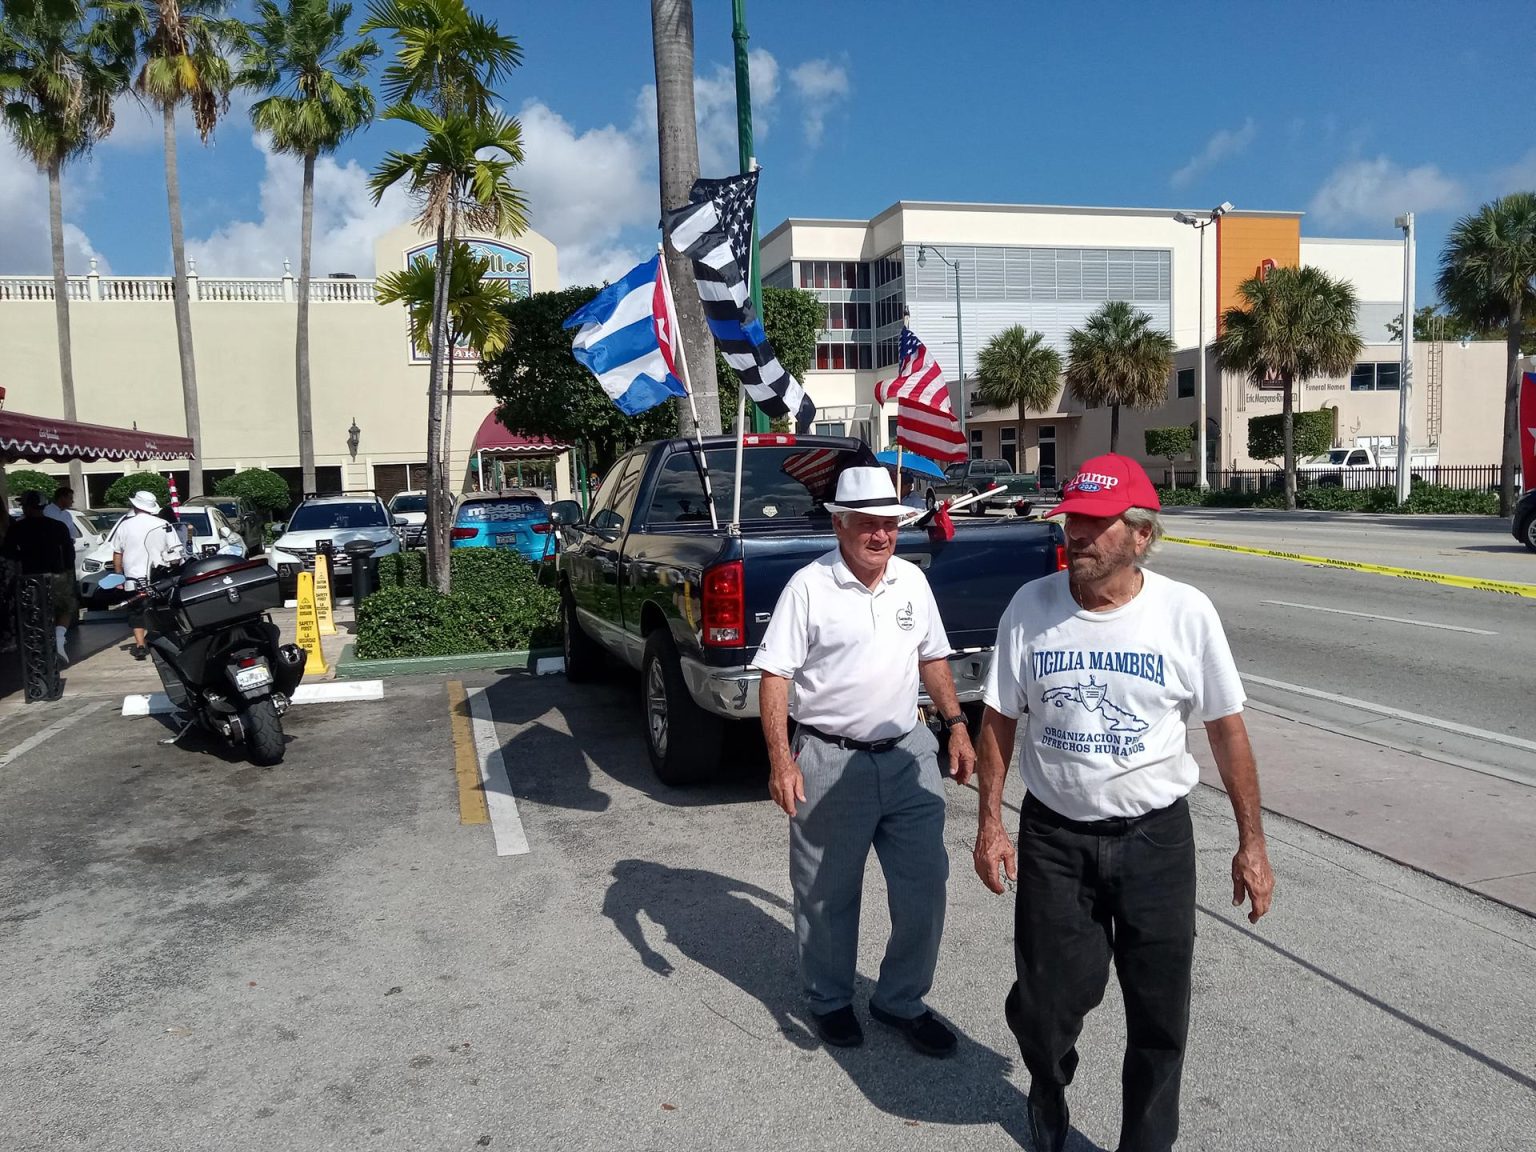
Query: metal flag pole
column 898, row 470
column 748, row 163
column 741, row 439
column 682, row 364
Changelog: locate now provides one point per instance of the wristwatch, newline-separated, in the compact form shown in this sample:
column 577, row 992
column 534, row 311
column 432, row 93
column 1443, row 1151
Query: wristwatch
column 951, row 721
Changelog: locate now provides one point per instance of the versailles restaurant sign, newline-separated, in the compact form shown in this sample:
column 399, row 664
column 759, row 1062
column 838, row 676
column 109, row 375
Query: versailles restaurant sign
column 510, row 265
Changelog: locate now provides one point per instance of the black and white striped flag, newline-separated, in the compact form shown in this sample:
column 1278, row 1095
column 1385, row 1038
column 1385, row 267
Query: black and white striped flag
column 714, row 230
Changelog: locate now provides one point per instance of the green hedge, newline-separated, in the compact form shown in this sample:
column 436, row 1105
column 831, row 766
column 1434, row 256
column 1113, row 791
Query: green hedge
column 125, row 486
column 496, row 605
column 1423, row 499
column 263, row 489
column 25, row 480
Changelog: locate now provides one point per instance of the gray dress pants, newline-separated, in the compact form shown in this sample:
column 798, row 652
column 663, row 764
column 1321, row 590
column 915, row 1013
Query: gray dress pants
column 892, row 801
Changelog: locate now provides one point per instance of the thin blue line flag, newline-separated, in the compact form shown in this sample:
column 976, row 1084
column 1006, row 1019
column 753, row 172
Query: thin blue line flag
column 626, row 338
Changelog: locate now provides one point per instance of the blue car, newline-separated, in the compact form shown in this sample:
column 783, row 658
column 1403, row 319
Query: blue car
column 517, row 520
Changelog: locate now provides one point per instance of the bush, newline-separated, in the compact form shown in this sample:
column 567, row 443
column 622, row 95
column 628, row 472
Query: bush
column 26, row 480
column 263, row 489
column 1312, row 435
column 125, row 486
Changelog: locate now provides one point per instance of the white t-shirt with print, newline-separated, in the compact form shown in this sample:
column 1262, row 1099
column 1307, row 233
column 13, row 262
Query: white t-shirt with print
column 1106, row 696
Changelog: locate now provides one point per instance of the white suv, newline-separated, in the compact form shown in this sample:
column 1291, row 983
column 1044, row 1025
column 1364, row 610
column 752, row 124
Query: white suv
column 339, row 519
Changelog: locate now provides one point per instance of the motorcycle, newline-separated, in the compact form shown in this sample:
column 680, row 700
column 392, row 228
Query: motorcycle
column 218, row 653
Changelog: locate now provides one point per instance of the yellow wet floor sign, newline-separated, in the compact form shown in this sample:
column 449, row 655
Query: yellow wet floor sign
column 307, row 630
column 323, row 614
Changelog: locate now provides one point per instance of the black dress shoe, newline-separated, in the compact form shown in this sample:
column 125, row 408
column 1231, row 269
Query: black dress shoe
column 1049, row 1119
column 924, row 1032
column 839, row 1028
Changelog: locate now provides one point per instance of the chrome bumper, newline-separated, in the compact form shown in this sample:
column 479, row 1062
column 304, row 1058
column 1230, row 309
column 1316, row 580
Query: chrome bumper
column 732, row 692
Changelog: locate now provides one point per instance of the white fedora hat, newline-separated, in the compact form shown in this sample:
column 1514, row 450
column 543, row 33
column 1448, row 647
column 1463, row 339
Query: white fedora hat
column 867, row 490
column 145, row 502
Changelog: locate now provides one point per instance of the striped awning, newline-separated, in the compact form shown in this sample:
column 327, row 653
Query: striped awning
column 38, row 438
column 495, row 439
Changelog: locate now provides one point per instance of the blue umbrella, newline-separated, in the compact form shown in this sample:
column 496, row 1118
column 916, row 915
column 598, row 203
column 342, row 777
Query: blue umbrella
column 912, row 462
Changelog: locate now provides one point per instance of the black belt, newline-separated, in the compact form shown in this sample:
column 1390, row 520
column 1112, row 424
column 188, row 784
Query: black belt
column 855, row 745
column 1112, row 826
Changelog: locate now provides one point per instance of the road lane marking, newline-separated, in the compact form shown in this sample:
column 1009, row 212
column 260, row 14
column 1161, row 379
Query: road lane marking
column 49, row 732
column 1373, row 616
column 466, row 763
column 506, row 824
column 1502, row 586
column 1395, row 713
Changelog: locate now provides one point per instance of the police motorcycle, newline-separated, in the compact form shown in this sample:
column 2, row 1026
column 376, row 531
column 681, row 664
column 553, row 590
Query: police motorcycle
column 218, row 653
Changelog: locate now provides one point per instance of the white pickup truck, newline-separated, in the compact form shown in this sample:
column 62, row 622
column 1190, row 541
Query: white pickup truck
column 1365, row 466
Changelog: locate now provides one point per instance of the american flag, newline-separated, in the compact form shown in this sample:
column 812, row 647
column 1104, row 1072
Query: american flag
column 813, row 468
column 925, row 421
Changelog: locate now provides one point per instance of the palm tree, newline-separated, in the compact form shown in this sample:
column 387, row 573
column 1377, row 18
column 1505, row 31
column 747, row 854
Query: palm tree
column 448, row 57
column 1017, row 367
column 1118, row 358
column 1296, row 324
column 475, row 317
column 317, row 98
column 59, row 73
column 182, row 43
column 459, row 177
column 1488, row 279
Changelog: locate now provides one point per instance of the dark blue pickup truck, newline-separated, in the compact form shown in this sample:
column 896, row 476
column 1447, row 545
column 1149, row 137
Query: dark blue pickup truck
column 643, row 577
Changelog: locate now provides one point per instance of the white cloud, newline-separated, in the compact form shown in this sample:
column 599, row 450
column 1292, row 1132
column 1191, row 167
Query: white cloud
column 1362, row 191
column 346, row 222
column 1224, row 144
column 25, row 246
column 821, row 86
column 714, row 110
column 139, row 127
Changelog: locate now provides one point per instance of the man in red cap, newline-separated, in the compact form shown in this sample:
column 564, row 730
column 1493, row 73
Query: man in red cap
column 1105, row 664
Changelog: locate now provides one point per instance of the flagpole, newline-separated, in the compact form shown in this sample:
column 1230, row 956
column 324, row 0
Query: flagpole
column 898, row 471
column 741, row 440
column 682, row 363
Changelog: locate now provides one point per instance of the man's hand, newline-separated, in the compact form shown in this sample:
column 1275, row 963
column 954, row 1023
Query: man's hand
column 993, row 848
column 1251, row 878
column 962, row 757
column 786, row 784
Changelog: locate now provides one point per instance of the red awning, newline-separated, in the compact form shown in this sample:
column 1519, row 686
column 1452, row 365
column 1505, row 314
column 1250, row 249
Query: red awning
column 38, row 438
column 493, row 437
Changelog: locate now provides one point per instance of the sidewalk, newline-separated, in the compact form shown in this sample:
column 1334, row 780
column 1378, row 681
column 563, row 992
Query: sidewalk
column 1473, row 830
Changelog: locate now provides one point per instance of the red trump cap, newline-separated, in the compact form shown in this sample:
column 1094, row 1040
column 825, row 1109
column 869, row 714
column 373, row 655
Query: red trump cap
column 1107, row 486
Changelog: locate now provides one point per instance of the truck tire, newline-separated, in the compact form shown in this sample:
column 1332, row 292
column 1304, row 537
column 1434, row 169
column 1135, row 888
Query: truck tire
column 930, row 499
column 583, row 658
column 682, row 739
column 1528, row 533
column 263, row 733
column 977, row 509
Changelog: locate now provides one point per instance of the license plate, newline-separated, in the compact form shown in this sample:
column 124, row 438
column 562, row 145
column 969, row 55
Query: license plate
column 256, row 677
column 506, row 538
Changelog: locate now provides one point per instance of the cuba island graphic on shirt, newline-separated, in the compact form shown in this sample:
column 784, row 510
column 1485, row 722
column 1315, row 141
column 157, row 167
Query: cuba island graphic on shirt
column 1102, row 713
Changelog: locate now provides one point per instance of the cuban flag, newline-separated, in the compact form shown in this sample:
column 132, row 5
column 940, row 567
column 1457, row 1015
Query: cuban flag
column 627, row 337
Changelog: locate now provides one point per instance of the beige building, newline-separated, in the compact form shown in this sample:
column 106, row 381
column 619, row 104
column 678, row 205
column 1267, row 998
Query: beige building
column 365, row 374
column 1049, row 268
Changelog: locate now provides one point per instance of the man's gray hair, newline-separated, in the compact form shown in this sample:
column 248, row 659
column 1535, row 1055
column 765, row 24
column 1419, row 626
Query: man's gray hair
column 1146, row 518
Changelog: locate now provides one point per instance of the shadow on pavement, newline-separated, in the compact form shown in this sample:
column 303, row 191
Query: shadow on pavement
column 723, row 924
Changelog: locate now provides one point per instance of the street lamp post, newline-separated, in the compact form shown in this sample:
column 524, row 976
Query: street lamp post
column 922, row 262
column 1200, row 226
column 1405, row 376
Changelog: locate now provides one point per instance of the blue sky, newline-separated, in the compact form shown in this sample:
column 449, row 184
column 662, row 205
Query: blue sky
column 1351, row 111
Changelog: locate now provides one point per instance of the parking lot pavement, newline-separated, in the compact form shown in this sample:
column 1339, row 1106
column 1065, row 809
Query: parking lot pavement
column 321, row 955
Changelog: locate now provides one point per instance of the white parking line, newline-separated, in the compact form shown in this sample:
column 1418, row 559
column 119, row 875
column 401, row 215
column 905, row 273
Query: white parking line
column 325, row 692
column 506, row 824
column 49, row 732
column 1373, row 616
column 1395, row 713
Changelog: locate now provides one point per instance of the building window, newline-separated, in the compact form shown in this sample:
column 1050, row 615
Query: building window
column 976, row 446
column 1009, row 446
column 1388, row 377
column 1384, row 376
column 1186, row 383
column 831, row 428
column 890, row 429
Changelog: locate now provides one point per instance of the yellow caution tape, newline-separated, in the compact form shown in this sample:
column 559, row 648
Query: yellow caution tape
column 1503, row 586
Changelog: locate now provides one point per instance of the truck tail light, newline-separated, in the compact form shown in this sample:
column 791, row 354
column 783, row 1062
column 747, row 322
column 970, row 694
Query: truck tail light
column 771, row 439
column 725, row 606
column 1061, row 557
column 464, row 533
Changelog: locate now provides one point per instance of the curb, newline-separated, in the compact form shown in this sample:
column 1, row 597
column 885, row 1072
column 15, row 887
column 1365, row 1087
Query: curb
column 541, row 661
column 159, row 704
column 1528, row 591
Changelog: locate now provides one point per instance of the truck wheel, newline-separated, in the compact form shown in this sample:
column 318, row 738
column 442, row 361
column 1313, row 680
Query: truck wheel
column 930, row 499
column 682, row 739
column 977, row 509
column 1528, row 533
column 583, row 658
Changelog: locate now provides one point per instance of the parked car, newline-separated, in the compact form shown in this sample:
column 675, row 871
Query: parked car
column 103, row 520
column 412, row 508
column 645, row 579
column 1523, row 524
column 515, row 518
column 242, row 516
column 1365, row 465
column 339, row 519
column 1011, row 489
column 205, row 533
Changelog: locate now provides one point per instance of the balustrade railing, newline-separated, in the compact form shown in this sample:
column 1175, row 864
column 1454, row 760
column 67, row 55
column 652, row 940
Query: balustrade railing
column 204, row 289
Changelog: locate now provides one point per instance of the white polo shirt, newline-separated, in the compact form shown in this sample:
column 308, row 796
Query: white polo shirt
column 141, row 539
column 851, row 651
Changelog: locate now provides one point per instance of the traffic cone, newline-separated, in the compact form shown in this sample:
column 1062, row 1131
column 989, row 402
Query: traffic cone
column 175, row 499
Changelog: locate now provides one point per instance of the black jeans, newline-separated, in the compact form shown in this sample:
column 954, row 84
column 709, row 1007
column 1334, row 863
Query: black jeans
column 1088, row 893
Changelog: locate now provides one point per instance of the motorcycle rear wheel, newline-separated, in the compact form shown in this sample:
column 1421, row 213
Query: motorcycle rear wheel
column 263, row 733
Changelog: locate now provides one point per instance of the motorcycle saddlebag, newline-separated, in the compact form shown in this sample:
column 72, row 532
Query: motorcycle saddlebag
column 221, row 590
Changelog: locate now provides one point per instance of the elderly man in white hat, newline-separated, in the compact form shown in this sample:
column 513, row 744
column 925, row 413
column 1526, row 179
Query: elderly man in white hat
column 854, row 631
column 137, row 545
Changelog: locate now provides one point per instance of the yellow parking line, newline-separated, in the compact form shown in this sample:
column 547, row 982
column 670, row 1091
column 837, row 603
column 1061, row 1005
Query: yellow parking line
column 1503, row 586
column 466, row 762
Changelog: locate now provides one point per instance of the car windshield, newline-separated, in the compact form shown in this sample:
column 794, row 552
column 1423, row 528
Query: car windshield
column 321, row 517
column 197, row 521
column 408, row 504
column 525, row 508
column 103, row 521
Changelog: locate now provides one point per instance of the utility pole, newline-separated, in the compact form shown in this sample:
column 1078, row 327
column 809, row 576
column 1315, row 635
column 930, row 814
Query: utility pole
column 760, row 422
column 1405, row 377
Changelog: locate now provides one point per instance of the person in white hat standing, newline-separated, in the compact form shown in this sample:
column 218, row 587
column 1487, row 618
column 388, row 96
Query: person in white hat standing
column 854, row 631
column 137, row 545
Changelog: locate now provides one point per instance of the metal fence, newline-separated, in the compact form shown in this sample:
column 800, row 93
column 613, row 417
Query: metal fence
column 1466, row 477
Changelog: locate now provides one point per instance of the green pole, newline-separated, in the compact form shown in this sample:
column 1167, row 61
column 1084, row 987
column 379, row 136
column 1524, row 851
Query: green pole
column 759, row 418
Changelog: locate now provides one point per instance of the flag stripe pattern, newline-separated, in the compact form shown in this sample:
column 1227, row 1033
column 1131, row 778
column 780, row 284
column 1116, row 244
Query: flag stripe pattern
column 925, row 421
column 625, row 337
column 714, row 230
column 918, row 378
column 929, row 431
column 813, row 468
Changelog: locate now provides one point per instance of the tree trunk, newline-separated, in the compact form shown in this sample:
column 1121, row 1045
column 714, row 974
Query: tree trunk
column 1508, row 493
column 1114, row 427
column 678, row 154
column 453, row 342
column 182, row 307
column 1288, row 436
column 301, row 339
column 438, row 574
column 61, row 314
